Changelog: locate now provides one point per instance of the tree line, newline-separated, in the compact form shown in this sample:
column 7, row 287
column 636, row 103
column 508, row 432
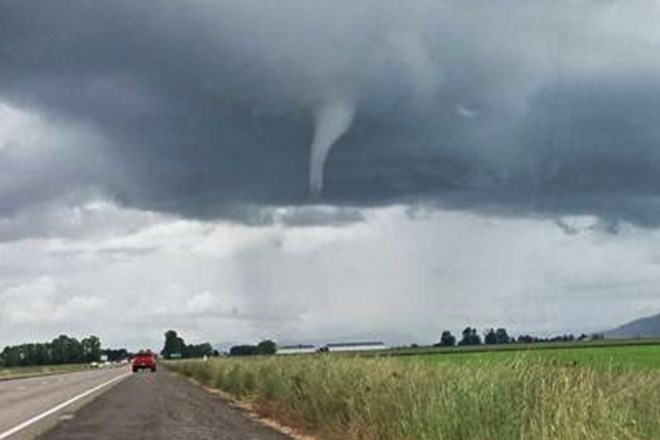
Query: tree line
column 175, row 347
column 265, row 347
column 61, row 350
column 116, row 354
column 470, row 336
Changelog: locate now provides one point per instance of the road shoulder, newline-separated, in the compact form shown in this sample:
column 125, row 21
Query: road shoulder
column 154, row 406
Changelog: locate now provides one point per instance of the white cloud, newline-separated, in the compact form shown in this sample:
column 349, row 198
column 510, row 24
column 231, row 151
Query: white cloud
column 41, row 302
column 390, row 276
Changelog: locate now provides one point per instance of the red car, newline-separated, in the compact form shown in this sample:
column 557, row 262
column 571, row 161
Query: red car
column 144, row 360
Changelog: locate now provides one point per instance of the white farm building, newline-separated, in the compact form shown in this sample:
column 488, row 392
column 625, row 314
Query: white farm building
column 296, row 349
column 355, row 346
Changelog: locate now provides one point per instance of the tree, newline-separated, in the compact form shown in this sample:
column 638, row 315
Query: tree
column 242, row 350
column 117, row 354
column 199, row 350
column 11, row 357
column 74, row 351
column 470, row 337
column 501, row 336
column 42, row 355
column 91, row 347
column 174, row 345
column 58, row 349
column 66, row 350
column 490, row 338
column 447, row 339
column 29, row 352
column 267, row 347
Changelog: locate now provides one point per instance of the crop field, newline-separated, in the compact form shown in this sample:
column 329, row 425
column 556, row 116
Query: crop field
column 592, row 393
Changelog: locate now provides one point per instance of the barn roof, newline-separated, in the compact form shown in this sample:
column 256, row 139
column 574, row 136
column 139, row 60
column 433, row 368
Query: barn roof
column 355, row 344
column 298, row 346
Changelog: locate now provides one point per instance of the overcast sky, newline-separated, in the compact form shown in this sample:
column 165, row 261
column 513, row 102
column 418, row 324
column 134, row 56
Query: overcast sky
column 327, row 170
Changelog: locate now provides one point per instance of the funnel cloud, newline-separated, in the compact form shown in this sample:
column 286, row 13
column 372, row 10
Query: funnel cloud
column 331, row 121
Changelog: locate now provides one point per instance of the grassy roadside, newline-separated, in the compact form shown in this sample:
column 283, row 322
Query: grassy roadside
column 383, row 398
column 22, row 372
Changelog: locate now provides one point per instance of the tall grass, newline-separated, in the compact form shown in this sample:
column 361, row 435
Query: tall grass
column 379, row 398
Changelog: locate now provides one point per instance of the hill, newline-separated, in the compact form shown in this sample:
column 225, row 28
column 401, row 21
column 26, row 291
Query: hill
column 648, row 327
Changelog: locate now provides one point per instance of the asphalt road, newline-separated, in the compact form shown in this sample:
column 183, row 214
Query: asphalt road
column 23, row 400
column 156, row 406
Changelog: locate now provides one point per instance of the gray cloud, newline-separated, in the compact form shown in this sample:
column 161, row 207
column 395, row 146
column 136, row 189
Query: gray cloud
column 318, row 215
column 205, row 109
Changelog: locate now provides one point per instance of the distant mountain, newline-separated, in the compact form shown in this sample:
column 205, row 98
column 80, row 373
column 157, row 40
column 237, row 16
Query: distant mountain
column 648, row 327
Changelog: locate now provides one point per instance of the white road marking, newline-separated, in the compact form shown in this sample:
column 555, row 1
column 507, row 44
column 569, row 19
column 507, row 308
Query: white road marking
column 53, row 410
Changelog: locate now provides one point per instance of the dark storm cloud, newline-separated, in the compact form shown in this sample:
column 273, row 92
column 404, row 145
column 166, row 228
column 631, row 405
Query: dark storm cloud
column 208, row 108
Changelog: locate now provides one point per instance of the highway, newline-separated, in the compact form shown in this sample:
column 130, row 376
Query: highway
column 30, row 405
column 145, row 406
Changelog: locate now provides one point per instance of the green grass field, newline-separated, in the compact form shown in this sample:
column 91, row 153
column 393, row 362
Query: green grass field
column 591, row 393
column 13, row 373
column 536, row 346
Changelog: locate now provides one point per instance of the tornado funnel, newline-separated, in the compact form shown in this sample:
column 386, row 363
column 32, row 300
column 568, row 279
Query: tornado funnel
column 331, row 120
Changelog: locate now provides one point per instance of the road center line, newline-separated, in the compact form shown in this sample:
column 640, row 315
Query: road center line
column 62, row 405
